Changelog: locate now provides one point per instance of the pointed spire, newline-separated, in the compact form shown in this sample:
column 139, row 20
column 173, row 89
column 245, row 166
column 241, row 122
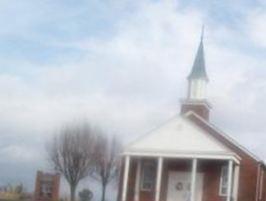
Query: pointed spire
column 202, row 33
column 198, row 70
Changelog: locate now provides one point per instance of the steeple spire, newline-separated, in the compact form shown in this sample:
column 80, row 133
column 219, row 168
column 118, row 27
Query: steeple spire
column 198, row 70
column 202, row 33
column 196, row 100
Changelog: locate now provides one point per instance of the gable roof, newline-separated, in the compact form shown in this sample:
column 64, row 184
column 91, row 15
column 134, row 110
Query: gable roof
column 179, row 135
column 220, row 135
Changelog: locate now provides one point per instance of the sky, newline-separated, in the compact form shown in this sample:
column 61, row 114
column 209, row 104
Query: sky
column 123, row 65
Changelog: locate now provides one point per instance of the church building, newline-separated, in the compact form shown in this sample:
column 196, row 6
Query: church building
column 188, row 158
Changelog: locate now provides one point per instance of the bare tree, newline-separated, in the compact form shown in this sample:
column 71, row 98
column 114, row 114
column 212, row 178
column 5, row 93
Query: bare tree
column 106, row 160
column 71, row 154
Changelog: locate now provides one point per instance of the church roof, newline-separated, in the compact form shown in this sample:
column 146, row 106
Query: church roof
column 179, row 136
column 220, row 135
column 198, row 70
column 188, row 135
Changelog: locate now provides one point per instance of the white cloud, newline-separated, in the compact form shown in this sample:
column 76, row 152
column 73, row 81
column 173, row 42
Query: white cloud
column 15, row 153
column 256, row 27
column 132, row 81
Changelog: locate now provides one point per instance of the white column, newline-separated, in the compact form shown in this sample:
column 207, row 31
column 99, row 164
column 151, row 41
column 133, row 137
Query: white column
column 230, row 176
column 125, row 178
column 236, row 182
column 137, row 184
column 193, row 179
column 261, row 183
column 159, row 179
column 258, row 182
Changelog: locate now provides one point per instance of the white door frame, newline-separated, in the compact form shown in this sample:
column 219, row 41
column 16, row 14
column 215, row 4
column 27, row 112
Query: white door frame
column 187, row 174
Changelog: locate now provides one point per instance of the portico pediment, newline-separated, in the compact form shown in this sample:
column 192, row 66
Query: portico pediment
column 178, row 135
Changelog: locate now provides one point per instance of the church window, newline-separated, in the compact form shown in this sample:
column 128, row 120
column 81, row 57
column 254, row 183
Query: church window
column 224, row 181
column 148, row 176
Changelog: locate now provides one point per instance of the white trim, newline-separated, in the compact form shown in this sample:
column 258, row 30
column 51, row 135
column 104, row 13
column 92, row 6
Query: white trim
column 185, row 155
column 207, row 134
column 196, row 102
column 158, row 179
column 234, row 142
column 181, row 153
column 133, row 148
column 193, row 178
column 125, row 178
column 258, row 182
column 151, row 131
column 236, row 182
column 230, row 174
column 137, row 183
column 261, row 183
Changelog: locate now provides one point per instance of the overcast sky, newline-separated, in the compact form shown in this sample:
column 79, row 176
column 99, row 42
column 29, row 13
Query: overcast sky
column 123, row 64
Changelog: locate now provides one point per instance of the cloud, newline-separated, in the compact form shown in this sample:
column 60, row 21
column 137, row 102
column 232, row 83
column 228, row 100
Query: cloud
column 19, row 154
column 129, row 79
column 256, row 27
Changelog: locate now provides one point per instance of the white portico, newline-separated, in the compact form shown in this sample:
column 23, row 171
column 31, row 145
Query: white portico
column 179, row 139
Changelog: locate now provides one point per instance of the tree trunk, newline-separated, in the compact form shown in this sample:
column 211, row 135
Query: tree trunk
column 72, row 192
column 103, row 191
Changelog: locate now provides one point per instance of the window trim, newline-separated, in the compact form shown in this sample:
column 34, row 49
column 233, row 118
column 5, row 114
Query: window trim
column 147, row 163
column 222, row 175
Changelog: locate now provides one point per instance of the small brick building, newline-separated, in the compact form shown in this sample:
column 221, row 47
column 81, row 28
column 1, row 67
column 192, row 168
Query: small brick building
column 189, row 159
column 47, row 187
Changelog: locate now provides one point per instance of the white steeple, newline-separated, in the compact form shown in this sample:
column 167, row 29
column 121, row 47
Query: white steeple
column 198, row 79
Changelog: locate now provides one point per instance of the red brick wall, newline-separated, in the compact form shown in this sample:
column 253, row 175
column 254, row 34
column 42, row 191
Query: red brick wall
column 54, row 185
column 199, row 109
column 144, row 195
column 212, row 173
column 248, row 165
